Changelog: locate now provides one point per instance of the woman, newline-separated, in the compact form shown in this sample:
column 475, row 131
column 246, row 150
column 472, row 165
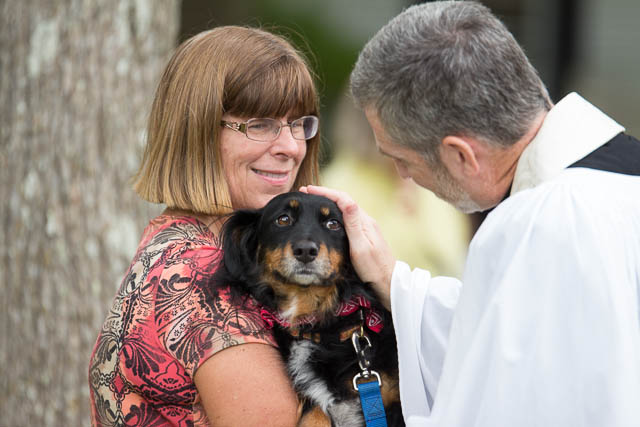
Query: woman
column 233, row 123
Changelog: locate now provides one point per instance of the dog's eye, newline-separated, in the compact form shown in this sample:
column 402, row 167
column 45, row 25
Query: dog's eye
column 284, row 220
column 333, row 225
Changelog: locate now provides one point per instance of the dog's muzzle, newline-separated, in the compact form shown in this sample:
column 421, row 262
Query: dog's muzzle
column 305, row 251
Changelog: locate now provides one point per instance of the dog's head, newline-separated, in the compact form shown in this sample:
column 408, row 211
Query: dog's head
column 301, row 240
column 294, row 251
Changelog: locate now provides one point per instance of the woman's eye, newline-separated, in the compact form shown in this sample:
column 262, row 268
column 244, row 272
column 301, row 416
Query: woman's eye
column 284, row 220
column 333, row 225
column 259, row 126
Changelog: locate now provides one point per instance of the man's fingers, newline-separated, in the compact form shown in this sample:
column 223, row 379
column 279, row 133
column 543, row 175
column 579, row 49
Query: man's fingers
column 350, row 210
column 331, row 194
column 360, row 227
column 352, row 217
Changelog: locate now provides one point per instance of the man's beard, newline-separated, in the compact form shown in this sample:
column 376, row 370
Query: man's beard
column 451, row 192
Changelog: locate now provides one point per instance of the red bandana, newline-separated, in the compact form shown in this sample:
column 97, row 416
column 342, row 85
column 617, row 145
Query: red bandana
column 373, row 319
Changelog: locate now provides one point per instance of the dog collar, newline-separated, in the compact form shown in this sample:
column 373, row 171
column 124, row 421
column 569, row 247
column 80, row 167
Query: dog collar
column 372, row 318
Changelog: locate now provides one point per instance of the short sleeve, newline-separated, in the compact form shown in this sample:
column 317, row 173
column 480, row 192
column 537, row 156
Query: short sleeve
column 194, row 321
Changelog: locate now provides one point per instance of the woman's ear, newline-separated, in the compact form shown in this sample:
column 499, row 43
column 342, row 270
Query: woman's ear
column 460, row 156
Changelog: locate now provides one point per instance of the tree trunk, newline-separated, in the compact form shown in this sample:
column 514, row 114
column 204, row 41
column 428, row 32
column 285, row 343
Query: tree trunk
column 76, row 82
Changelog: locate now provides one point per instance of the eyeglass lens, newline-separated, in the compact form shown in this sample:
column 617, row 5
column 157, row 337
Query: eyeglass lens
column 268, row 129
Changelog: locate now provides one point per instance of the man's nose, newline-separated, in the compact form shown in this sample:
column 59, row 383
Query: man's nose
column 401, row 169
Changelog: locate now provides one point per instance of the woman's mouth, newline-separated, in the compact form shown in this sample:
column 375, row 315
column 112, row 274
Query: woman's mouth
column 274, row 178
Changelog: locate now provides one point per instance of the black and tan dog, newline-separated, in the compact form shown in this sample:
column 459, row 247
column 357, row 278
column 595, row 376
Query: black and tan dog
column 292, row 256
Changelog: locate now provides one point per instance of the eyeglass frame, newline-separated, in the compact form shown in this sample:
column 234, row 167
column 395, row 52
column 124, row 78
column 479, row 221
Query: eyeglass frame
column 242, row 127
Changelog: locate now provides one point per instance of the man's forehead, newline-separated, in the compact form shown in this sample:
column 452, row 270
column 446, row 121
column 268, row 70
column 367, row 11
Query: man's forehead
column 384, row 144
column 374, row 121
column 394, row 151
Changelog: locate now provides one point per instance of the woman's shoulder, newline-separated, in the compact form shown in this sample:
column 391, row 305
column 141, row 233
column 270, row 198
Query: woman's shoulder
column 166, row 229
column 169, row 240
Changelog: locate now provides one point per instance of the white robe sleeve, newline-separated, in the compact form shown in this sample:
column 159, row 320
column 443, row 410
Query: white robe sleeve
column 422, row 308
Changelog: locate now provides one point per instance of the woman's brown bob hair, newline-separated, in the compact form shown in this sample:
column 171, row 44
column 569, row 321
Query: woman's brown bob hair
column 245, row 72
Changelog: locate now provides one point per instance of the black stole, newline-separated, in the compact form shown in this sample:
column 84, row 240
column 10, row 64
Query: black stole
column 620, row 155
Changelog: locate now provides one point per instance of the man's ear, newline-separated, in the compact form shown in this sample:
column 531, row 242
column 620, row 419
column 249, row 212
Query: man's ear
column 460, row 156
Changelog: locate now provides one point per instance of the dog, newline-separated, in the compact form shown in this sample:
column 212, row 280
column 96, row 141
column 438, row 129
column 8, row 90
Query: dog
column 292, row 257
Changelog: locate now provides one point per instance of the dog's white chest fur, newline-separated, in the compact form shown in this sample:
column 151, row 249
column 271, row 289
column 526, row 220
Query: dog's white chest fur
column 311, row 386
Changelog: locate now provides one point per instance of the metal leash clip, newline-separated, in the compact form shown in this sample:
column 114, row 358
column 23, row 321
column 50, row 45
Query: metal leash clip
column 362, row 352
column 369, row 391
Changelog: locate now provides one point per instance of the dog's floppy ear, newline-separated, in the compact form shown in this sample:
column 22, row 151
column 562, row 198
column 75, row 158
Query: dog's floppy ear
column 240, row 247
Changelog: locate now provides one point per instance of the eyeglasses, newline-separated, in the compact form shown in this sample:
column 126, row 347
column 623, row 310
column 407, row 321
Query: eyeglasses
column 267, row 130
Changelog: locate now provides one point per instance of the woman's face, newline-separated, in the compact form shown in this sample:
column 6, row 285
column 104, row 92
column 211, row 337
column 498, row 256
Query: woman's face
column 257, row 171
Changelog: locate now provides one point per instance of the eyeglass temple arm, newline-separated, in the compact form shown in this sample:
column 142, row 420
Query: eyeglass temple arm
column 235, row 126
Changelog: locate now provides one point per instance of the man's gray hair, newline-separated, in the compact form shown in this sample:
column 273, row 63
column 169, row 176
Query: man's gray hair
column 448, row 68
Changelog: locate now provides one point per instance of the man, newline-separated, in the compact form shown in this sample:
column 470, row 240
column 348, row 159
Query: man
column 545, row 331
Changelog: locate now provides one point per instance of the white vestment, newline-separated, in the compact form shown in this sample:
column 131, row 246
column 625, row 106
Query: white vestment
column 545, row 331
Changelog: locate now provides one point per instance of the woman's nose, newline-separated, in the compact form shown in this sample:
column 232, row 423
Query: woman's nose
column 286, row 144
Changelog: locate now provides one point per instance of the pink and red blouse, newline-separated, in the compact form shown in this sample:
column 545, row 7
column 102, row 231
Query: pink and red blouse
column 165, row 321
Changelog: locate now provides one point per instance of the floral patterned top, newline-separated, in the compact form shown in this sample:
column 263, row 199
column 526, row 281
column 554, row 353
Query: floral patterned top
column 165, row 321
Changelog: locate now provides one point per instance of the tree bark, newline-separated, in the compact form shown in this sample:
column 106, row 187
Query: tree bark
column 76, row 82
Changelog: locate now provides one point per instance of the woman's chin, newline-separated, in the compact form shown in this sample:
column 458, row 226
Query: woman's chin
column 258, row 201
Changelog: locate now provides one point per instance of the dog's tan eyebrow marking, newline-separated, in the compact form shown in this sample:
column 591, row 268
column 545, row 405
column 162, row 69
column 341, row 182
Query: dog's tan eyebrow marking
column 294, row 203
column 324, row 211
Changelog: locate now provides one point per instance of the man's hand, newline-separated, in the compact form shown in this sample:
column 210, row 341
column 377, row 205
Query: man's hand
column 370, row 254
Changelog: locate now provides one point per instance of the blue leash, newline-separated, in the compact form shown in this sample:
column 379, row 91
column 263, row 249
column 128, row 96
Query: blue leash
column 370, row 396
column 371, row 401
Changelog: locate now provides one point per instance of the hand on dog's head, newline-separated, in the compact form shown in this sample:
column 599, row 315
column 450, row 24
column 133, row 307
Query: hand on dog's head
column 295, row 244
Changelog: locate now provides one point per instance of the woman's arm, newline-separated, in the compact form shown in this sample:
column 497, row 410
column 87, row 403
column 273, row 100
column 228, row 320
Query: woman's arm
column 247, row 385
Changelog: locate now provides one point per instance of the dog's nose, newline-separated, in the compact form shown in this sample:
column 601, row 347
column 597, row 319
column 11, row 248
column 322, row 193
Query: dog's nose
column 305, row 251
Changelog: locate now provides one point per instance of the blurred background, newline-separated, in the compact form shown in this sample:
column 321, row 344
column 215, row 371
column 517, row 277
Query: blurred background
column 76, row 82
